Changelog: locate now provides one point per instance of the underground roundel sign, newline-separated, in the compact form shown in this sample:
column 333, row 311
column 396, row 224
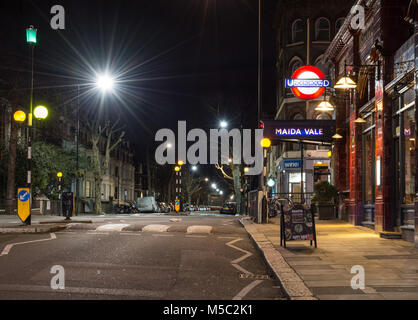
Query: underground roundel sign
column 308, row 83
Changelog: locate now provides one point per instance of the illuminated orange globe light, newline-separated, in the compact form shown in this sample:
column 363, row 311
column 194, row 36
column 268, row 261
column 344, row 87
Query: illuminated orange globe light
column 180, row 163
column 59, row 174
column 19, row 116
column 177, row 169
column 266, row 143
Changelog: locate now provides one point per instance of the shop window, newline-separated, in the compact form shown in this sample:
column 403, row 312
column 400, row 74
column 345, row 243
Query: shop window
column 322, row 29
column 409, row 147
column 298, row 32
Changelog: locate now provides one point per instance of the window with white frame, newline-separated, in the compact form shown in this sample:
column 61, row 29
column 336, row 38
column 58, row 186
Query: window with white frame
column 322, row 29
column 298, row 31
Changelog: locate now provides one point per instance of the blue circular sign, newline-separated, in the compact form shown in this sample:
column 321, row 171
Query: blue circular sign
column 177, row 202
column 23, row 196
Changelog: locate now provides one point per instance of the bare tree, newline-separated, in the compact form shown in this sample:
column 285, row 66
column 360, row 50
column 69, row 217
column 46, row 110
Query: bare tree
column 100, row 164
column 190, row 184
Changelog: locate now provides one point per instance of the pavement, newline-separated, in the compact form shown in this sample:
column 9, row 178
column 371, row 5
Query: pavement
column 325, row 273
column 208, row 257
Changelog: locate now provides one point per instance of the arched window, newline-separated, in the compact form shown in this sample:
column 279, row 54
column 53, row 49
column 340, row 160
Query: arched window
column 294, row 64
column 339, row 24
column 323, row 116
column 322, row 29
column 298, row 31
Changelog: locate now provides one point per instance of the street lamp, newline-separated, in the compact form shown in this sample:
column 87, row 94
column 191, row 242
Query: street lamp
column 105, row 82
column 213, row 185
column 19, row 116
column 194, row 168
column 223, row 124
column 41, row 112
column 207, row 179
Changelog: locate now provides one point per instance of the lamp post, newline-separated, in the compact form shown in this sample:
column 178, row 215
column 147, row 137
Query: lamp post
column 266, row 144
column 31, row 39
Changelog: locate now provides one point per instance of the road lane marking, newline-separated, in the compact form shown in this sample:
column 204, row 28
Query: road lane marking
column 98, row 233
column 246, row 290
column 195, row 236
column 155, row 228
column 9, row 247
column 199, row 229
column 239, row 268
column 245, row 256
column 84, row 291
column 112, row 227
column 163, row 235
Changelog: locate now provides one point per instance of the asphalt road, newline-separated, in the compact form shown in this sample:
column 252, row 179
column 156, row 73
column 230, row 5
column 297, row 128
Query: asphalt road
column 114, row 258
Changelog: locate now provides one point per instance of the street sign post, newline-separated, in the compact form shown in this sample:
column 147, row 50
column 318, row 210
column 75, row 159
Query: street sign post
column 23, row 204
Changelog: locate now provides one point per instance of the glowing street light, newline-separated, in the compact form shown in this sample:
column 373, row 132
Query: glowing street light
column 221, row 192
column 19, row 116
column 207, row 179
column 223, row 124
column 180, row 162
column 31, row 34
column 40, row 112
column 105, row 82
column 266, row 143
column 177, row 169
column 59, row 174
column 213, row 185
column 194, row 168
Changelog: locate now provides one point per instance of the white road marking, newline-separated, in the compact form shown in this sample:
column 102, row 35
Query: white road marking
column 163, row 235
column 199, row 229
column 192, row 236
column 112, row 227
column 245, row 256
column 84, row 291
column 247, row 289
column 130, row 233
column 98, row 233
column 9, row 247
column 155, row 228
column 238, row 267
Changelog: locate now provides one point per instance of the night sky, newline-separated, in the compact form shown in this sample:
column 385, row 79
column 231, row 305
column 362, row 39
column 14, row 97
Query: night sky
column 174, row 59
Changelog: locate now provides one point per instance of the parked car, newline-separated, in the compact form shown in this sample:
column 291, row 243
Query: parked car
column 147, row 205
column 229, row 208
column 164, row 207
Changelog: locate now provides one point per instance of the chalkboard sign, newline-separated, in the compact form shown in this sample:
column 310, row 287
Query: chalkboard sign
column 297, row 223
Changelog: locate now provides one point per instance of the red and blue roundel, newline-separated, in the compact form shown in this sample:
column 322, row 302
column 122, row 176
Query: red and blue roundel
column 308, row 83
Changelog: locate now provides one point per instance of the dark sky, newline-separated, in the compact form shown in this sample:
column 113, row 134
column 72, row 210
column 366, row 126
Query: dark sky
column 174, row 59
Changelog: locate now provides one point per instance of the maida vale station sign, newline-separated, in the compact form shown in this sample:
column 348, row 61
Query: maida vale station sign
column 308, row 130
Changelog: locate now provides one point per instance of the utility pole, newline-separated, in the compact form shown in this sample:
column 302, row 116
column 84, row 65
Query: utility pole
column 260, row 101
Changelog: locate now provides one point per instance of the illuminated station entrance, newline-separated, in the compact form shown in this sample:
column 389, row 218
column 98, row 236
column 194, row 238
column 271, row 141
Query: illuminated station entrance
column 298, row 171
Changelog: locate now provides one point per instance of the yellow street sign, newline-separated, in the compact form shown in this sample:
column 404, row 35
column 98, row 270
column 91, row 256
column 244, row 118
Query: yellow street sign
column 23, row 203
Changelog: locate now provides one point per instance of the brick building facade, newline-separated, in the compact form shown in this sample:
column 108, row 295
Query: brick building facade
column 375, row 161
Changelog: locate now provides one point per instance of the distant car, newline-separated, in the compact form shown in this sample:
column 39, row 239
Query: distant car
column 229, row 208
column 147, row 205
column 164, row 207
